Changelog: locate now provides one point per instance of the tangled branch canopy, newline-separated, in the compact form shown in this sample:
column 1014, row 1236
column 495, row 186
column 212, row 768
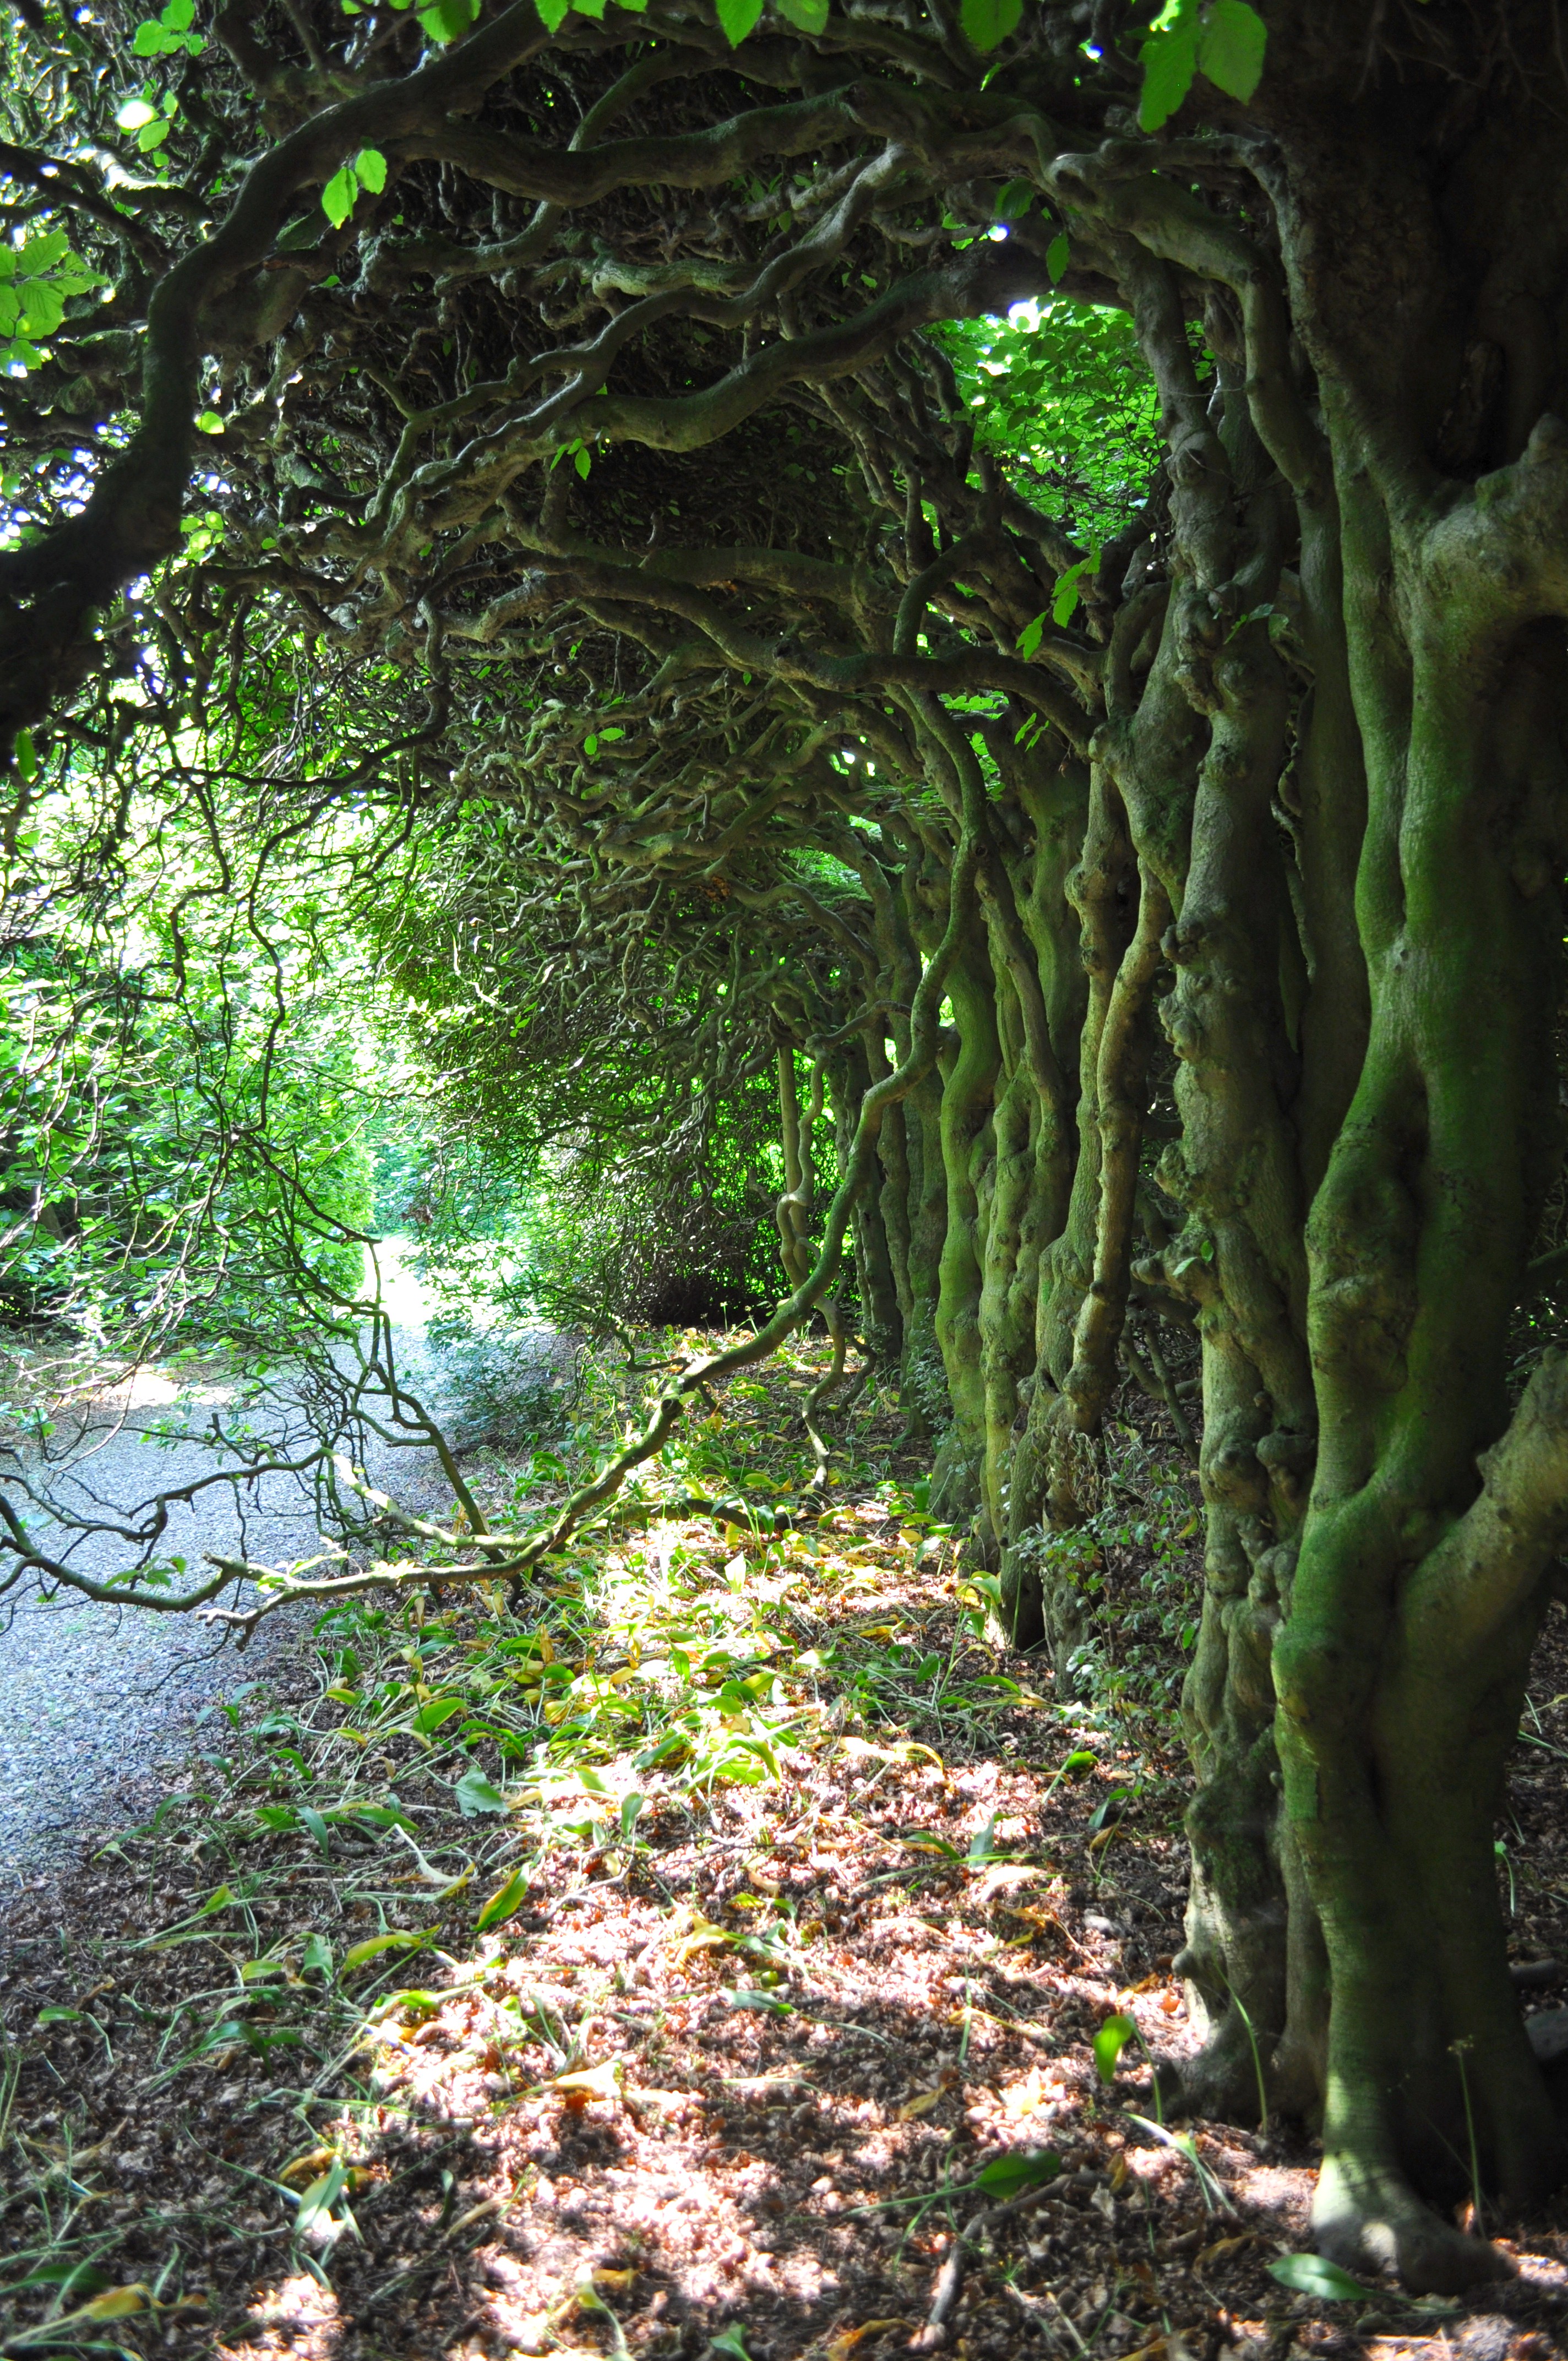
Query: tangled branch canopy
column 1002, row 574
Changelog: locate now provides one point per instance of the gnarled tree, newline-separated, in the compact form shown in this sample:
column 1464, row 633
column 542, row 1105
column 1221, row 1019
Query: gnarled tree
column 595, row 393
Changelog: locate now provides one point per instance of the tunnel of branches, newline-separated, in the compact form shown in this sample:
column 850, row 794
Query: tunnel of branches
column 1118, row 885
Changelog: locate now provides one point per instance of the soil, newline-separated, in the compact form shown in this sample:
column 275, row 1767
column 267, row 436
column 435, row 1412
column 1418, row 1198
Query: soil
column 773, row 2083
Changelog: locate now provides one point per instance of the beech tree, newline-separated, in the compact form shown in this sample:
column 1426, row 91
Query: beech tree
column 1143, row 853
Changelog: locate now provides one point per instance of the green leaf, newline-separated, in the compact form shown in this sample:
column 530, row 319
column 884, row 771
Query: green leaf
column 731, row 2344
column 152, row 135
column 1314, row 2275
column 43, row 305
column 1005, row 2176
column 1109, row 2043
column 360, row 1955
column 810, row 15
column 312, row 1822
column 583, row 460
column 987, row 23
column 179, row 15
column 448, row 20
column 370, row 169
column 42, row 254
column 71, row 2278
column 1057, row 255
column 152, row 41
column 503, row 1902
column 58, row 2016
column 1229, row 50
column 430, row 1716
column 1066, row 593
column 210, row 423
column 317, row 1955
column 27, row 756
column 928, row 1841
column 321, row 2197
column 552, row 13
column 983, row 1845
column 590, row 745
column 1031, row 635
column 474, row 1794
column 337, row 197
column 738, row 18
column 1169, row 59
column 1014, row 199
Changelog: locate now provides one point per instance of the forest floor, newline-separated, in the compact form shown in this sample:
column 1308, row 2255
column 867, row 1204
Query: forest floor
column 733, row 1951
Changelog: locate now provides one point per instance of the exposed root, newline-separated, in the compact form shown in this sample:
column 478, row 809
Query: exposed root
column 1366, row 2216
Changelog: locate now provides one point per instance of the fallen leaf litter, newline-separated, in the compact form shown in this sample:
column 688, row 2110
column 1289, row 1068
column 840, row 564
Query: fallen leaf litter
column 739, row 1993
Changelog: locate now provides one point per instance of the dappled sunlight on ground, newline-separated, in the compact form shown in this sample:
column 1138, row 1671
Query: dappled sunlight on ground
column 693, row 1953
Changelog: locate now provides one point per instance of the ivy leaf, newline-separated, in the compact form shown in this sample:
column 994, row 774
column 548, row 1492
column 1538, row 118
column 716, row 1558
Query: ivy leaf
column 1313, row 2275
column 738, row 18
column 987, row 23
column 1229, row 51
column 337, row 197
column 811, row 16
column 370, row 169
column 1169, row 59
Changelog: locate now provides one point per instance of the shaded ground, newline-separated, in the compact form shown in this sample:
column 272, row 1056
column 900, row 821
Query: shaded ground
column 686, row 1962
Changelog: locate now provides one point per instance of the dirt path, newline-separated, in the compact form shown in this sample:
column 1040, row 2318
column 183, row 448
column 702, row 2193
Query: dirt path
column 93, row 1700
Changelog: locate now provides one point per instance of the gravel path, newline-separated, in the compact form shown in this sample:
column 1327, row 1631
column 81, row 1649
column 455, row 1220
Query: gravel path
column 98, row 1706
